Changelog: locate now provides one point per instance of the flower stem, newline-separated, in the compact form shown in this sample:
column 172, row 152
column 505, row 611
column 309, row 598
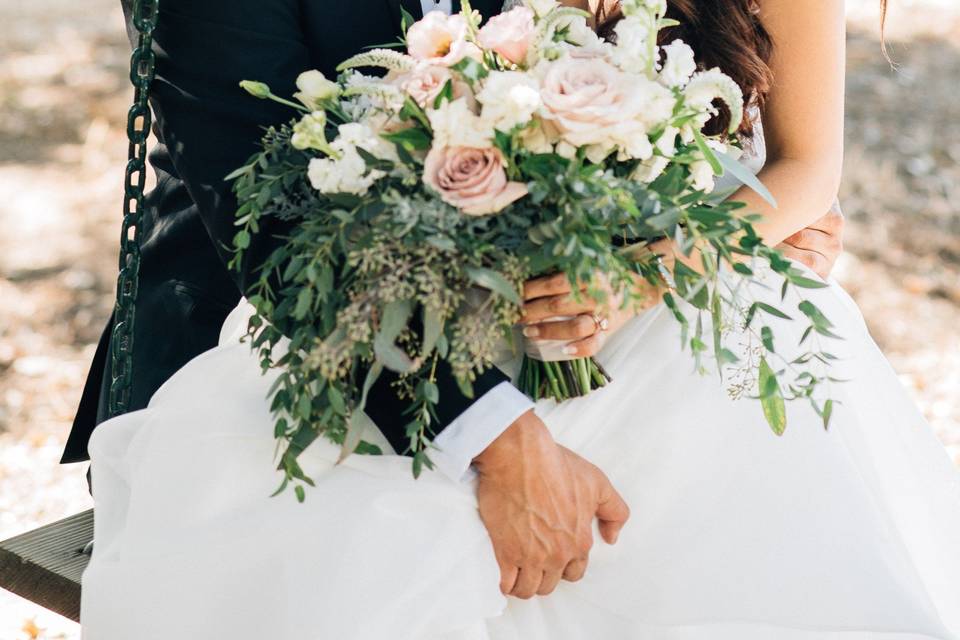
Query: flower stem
column 560, row 380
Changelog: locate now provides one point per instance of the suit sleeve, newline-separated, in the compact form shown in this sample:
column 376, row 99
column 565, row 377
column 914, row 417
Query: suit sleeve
column 210, row 127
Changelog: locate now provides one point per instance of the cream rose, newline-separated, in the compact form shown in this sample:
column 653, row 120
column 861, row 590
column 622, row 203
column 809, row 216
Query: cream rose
column 471, row 179
column 592, row 103
column 509, row 34
column 439, row 39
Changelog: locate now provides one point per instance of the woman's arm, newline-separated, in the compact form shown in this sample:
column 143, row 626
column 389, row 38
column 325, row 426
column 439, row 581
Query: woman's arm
column 803, row 116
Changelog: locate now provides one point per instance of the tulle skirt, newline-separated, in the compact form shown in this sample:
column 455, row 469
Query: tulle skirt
column 736, row 534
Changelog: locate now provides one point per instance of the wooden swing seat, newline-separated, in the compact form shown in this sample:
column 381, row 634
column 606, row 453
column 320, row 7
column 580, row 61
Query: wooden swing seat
column 45, row 565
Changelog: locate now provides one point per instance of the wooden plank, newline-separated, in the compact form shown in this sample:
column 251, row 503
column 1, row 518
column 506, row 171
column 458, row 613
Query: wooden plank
column 45, row 565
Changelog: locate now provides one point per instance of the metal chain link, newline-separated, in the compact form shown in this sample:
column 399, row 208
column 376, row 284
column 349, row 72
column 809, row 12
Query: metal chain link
column 142, row 71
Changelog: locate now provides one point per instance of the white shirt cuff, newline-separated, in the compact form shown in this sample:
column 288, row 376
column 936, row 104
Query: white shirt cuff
column 474, row 429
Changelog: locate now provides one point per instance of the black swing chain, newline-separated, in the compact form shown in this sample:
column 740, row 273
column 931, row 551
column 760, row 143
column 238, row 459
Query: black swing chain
column 142, row 71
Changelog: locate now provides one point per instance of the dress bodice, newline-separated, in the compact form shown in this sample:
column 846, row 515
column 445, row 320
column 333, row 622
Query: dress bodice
column 754, row 154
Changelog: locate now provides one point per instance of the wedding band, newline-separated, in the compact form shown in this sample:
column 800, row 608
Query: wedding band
column 602, row 323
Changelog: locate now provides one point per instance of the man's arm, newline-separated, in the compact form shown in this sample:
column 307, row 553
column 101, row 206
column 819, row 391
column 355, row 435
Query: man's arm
column 819, row 245
column 210, row 126
column 536, row 498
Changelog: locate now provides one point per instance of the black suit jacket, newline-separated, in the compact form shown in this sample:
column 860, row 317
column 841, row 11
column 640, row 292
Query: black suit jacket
column 207, row 126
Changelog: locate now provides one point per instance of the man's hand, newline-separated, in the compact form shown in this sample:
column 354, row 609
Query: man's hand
column 819, row 245
column 537, row 501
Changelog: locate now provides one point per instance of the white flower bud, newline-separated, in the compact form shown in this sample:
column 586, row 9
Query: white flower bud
column 315, row 89
column 256, row 89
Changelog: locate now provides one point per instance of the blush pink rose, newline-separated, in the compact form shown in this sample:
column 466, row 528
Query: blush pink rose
column 425, row 83
column 591, row 102
column 509, row 34
column 439, row 39
column 473, row 180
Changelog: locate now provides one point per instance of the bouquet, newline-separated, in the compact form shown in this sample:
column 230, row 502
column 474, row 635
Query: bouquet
column 473, row 157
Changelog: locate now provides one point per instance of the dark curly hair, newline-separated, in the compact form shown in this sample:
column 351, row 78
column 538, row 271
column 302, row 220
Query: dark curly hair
column 723, row 33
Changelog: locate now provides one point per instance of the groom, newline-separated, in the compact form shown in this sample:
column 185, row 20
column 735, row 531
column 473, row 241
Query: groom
column 537, row 499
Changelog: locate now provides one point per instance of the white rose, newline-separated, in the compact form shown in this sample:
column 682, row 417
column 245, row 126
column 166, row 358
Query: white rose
column 509, row 99
column 314, row 89
column 679, row 64
column 456, row 125
column 702, row 174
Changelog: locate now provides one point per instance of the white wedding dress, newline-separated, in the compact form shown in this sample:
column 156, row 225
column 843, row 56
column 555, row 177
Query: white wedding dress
column 848, row 534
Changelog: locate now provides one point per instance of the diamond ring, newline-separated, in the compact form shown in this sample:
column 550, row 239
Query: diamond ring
column 602, row 323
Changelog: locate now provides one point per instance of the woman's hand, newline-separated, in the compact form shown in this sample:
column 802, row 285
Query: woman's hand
column 590, row 321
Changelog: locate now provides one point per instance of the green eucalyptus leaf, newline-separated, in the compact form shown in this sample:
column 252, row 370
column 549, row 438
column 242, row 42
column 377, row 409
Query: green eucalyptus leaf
column 365, row 448
column 771, row 399
column 496, row 282
column 773, row 311
column 392, row 356
column 355, row 425
column 432, row 330
column 766, row 336
column 746, row 176
column 412, row 139
column 827, row 413
column 708, row 153
column 396, row 316
column 807, row 283
column 335, row 398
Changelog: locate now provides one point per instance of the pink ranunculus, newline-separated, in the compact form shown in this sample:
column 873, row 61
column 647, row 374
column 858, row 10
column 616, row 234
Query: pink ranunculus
column 473, row 180
column 509, row 34
column 425, row 83
column 439, row 39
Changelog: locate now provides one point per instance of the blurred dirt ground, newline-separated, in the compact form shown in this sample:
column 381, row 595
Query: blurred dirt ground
column 63, row 98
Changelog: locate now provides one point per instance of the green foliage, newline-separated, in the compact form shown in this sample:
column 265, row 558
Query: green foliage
column 397, row 280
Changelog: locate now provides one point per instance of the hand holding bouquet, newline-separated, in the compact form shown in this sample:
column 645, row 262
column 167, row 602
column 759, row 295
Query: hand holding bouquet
column 485, row 155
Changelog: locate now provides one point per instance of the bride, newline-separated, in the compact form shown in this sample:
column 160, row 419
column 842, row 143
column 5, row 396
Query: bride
column 734, row 534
